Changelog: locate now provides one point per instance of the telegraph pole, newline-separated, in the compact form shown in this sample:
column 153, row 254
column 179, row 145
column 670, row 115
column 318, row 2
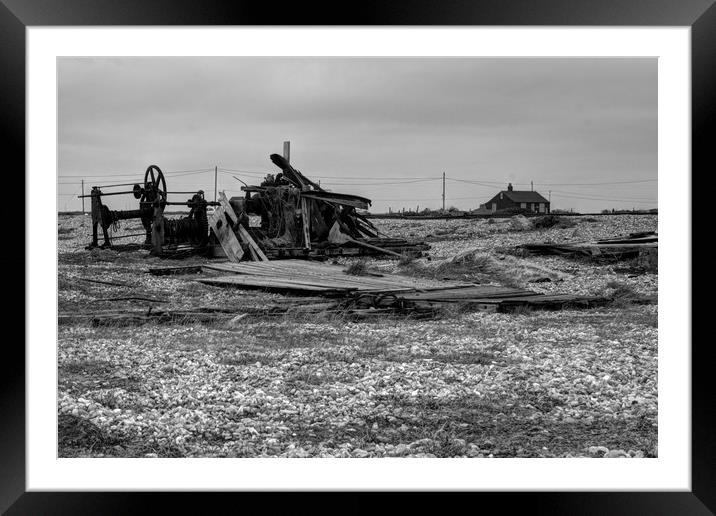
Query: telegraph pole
column 216, row 172
column 83, row 197
column 532, row 186
column 443, row 191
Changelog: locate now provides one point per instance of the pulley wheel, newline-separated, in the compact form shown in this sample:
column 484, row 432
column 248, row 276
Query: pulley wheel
column 155, row 186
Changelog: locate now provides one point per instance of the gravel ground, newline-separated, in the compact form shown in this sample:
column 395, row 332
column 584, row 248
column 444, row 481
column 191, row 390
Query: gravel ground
column 537, row 384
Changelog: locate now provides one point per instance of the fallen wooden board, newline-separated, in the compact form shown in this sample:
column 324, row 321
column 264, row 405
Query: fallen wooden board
column 320, row 274
column 281, row 285
column 273, row 285
column 225, row 234
column 281, row 253
column 317, row 274
column 468, row 292
column 256, row 253
column 168, row 271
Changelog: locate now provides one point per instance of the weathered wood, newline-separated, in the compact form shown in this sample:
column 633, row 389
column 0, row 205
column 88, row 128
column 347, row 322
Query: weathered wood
column 228, row 209
column 167, row 271
column 291, row 269
column 113, row 283
column 158, row 228
column 306, row 283
column 306, row 223
column 255, row 250
column 225, row 234
column 268, row 284
column 335, row 236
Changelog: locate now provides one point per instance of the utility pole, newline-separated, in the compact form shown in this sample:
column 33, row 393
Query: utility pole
column 83, row 197
column 443, row 191
column 287, row 151
column 216, row 173
column 532, row 186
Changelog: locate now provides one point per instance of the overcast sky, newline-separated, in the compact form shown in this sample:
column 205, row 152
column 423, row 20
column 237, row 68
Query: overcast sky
column 384, row 128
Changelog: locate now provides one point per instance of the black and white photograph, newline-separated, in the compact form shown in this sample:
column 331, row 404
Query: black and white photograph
column 357, row 257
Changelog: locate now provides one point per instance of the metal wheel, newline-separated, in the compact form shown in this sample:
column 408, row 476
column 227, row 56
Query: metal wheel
column 155, row 186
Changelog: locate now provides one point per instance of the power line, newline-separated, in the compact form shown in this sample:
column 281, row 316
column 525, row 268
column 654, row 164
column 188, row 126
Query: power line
column 176, row 173
column 600, row 198
column 491, row 183
column 383, row 183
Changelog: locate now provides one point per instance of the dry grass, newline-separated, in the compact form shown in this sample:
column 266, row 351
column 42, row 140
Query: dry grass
column 472, row 267
column 359, row 268
column 620, row 293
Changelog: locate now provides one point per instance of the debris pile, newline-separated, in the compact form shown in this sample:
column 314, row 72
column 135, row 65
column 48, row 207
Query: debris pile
column 381, row 292
column 301, row 219
column 642, row 246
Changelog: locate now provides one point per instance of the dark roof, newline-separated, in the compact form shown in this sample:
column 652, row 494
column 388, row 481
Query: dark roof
column 523, row 196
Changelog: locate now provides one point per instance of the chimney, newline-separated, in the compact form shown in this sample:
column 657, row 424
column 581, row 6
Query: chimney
column 509, row 187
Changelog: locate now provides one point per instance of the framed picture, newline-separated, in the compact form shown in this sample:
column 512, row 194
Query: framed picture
column 598, row 109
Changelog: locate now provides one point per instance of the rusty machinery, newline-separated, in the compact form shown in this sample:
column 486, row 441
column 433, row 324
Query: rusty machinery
column 159, row 231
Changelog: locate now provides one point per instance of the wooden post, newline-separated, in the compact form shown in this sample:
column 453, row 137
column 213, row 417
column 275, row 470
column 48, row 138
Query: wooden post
column 306, row 222
column 287, row 151
column 158, row 228
column 443, row 191
column 83, row 197
column 216, row 170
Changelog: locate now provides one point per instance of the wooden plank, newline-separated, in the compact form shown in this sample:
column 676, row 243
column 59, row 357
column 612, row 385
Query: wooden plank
column 389, row 279
column 328, row 272
column 253, row 246
column 332, row 282
column 165, row 271
column 229, row 210
column 275, row 285
column 474, row 292
column 158, row 229
column 225, row 235
column 306, row 223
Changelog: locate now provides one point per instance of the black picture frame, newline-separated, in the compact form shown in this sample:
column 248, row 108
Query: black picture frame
column 16, row 15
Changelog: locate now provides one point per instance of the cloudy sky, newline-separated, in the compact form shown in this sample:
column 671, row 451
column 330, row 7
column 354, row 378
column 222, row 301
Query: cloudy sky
column 385, row 128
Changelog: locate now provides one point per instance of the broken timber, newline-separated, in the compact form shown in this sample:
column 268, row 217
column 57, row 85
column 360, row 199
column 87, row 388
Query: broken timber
column 384, row 292
column 219, row 222
column 620, row 248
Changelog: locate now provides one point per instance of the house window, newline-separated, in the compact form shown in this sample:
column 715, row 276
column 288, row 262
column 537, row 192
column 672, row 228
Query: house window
column 501, row 197
column 494, row 206
column 541, row 207
column 523, row 205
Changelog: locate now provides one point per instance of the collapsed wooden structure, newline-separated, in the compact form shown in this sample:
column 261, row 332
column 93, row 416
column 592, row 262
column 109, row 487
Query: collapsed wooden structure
column 300, row 219
column 385, row 293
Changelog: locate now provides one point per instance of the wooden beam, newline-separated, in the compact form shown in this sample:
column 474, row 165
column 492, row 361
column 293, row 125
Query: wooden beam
column 225, row 234
column 306, row 215
column 224, row 203
column 256, row 252
column 158, row 228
